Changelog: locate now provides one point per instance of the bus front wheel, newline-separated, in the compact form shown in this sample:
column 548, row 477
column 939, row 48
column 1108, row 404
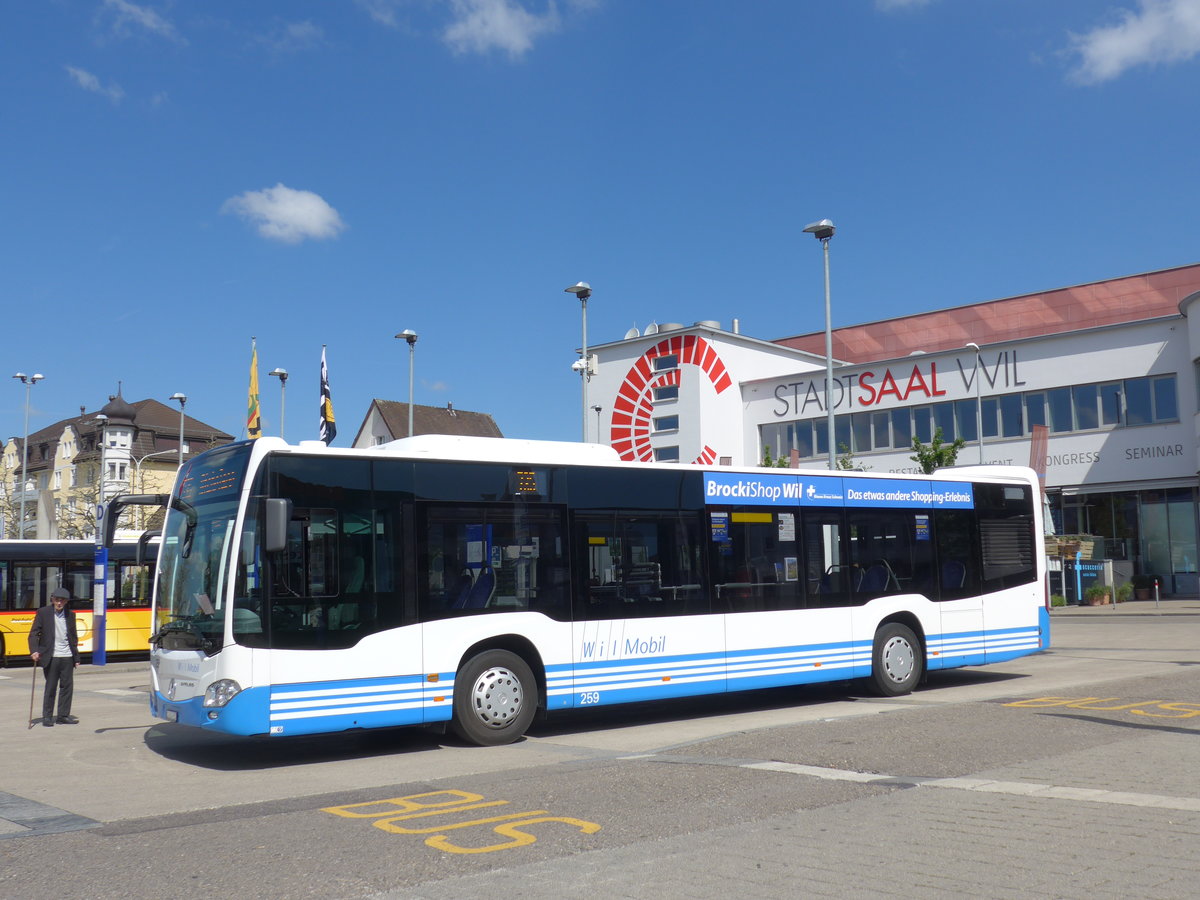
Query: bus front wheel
column 897, row 661
column 495, row 698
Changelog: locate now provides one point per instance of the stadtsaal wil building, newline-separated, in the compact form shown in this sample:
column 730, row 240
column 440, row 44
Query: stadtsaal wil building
column 1110, row 368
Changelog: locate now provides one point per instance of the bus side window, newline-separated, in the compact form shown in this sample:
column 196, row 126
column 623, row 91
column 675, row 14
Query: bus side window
column 956, row 538
column 827, row 569
column 755, row 559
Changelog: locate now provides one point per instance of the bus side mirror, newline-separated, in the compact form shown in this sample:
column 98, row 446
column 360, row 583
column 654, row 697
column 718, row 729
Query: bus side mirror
column 276, row 516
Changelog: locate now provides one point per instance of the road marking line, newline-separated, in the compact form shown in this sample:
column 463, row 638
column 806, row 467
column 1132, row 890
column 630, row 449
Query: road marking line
column 120, row 692
column 817, row 772
column 991, row 786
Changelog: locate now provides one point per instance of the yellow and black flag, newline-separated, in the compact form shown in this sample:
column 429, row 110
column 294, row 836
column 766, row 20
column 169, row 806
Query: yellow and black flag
column 328, row 428
column 253, row 419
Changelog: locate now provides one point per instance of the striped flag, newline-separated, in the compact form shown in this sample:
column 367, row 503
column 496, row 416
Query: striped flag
column 328, row 428
column 253, row 419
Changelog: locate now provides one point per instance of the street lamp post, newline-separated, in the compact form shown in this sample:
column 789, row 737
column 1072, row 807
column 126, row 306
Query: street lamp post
column 978, row 402
column 101, row 422
column 136, row 485
column 182, row 398
column 411, row 336
column 29, row 381
column 281, row 374
column 597, row 410
column 823, row 231
column 583, row 290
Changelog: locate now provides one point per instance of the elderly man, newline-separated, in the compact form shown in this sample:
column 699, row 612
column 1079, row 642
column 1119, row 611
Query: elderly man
column 54, row 645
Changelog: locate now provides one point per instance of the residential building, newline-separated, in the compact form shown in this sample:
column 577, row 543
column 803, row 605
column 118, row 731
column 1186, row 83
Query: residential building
column 76, row 463
column 387, row 420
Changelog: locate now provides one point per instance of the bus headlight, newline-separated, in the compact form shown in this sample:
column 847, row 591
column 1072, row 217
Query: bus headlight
column 221, row 692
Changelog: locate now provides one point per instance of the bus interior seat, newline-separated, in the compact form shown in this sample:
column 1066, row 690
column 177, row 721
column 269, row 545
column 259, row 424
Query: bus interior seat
column 481, row 590
column 876, row 580
column 840, row 579
column 954, row 573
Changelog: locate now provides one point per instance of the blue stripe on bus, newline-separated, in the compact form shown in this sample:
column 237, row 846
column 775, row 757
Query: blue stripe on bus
column 315, row 707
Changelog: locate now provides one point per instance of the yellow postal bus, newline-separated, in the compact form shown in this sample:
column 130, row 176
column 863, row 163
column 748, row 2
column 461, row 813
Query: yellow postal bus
column 31, row 570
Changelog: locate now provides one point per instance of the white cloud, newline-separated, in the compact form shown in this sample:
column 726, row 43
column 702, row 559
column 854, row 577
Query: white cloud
column 90, row 82
column 483, row 25
column 127, row 16
column 1161, row 31
column 284, row 214
column 382, row 11
column 295, row 37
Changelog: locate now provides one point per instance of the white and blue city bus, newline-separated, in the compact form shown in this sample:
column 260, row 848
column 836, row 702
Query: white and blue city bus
column 475, row 581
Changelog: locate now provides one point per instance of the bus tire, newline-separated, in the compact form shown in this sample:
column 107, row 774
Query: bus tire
column 897, row 660
column 495, row 698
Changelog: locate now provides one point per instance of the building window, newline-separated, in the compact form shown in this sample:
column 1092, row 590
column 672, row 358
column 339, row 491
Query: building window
column 666, row 454
column 1166, row 407
column 670, row 392
column 662, row 363
column 666, row 423
column 1086, row 407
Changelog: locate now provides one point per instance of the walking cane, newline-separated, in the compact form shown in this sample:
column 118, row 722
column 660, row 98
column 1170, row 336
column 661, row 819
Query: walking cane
column 32, row 691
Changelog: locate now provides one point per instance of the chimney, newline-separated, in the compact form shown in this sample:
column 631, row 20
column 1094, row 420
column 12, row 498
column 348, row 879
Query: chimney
column 450, row 408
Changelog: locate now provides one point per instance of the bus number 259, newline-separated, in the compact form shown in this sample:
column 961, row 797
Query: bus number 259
column 589, row 698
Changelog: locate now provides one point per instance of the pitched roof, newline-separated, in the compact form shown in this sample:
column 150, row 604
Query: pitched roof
column 1117, row 300
column 150, row 417
column 430, row 420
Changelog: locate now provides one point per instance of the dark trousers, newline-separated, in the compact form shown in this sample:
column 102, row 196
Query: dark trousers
column 60, row 680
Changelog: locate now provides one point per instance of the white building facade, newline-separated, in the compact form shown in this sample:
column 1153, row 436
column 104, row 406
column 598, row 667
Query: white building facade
column 1110, row 369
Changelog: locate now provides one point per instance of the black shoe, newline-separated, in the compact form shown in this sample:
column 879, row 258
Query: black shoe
column 48, row 722
column 67, row 720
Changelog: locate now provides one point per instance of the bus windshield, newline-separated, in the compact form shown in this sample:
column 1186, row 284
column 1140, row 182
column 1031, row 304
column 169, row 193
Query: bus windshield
column 196, row 545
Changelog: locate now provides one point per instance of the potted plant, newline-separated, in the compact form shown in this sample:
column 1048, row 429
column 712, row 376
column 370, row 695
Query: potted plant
column 1143, row 585
column 1123, row 593
column 1098, row 594
column 1058, row 600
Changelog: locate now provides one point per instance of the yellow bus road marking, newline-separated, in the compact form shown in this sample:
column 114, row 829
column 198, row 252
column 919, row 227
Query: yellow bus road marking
column 1172, row 709
column 387, row 815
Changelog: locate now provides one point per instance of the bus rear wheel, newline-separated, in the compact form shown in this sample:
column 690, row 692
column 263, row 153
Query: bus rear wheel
column 495, row 698
column 897, row 661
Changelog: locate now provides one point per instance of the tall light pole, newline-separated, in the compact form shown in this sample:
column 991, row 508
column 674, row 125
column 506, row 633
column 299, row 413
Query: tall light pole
column 182, row 398
column 597, row 410
column 411, row 336
column 281, row 374
column 583, row 290
column 978, row 402
column 136, row 485
column 29, row 381
column 101, row 423
column 823, row 231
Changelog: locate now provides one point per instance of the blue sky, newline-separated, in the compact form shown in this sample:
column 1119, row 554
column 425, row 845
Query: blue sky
column 178, row 176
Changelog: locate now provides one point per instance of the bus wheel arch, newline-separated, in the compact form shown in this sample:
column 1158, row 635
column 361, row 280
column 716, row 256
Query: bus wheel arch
column 497, row 691
column 897, row 656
